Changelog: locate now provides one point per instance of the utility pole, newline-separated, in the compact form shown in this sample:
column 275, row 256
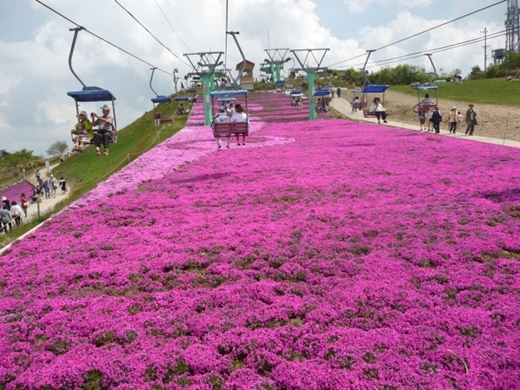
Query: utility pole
column 485, row 47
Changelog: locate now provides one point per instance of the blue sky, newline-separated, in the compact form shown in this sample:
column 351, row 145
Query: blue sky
column 35, row 42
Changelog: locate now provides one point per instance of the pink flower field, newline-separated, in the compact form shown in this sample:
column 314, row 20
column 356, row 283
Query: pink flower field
column 322, row 255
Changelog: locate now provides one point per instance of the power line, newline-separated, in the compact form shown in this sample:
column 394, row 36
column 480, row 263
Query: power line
column 165, row 17
column 442, row 24
column 149, row 32
column 425, row 31
column 436, row 50
column 180, row 24
column 103, row 39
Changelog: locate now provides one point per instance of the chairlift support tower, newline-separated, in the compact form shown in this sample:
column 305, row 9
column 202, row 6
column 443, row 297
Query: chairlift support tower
column 204, row 65
column 311, row 73
column 275, row 61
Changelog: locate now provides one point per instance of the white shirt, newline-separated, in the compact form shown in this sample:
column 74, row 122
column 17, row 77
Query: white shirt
column 239, row 117
column 221, row 117
column 377, row 107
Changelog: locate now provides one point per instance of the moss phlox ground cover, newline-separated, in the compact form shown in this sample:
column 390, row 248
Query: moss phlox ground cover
column 347, row 256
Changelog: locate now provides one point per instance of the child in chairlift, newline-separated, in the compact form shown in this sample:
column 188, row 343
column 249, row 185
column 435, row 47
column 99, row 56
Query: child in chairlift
column 82, row 131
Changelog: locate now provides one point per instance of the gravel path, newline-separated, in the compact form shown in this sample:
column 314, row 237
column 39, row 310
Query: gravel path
column 494, row 120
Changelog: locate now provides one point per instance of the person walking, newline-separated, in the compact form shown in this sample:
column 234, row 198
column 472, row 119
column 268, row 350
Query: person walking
column 63, row 185
column 46, row 189
column 436, row 120
column 452, row 117
column 471, row 119
column 16, row 213
column 105, row 124
column 53, row 185
column 5, row 218
column 24, row 203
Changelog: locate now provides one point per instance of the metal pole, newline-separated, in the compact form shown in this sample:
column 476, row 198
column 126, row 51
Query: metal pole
column 311, row 76
column 485, row 47
column 76, row 30
column 206, row 81
column 505, row 131
column 151, row 78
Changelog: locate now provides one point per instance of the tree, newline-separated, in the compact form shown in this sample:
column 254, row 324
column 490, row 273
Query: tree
column 15, row 162
column 58, row 148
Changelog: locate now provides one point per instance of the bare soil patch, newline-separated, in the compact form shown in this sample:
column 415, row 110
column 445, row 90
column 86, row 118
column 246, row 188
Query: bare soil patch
column 494, row 121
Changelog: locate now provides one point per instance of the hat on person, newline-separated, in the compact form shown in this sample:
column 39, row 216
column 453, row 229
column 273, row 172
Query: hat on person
column 471, row 104
column 83, row 113
column 222, row 108
column 105, row 107
column 4, row 198
column 454, row 108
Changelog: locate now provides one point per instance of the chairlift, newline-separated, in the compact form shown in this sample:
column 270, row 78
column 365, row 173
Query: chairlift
column 226, row 129
column 92, row 93
column 423, row 106
column 158, row 99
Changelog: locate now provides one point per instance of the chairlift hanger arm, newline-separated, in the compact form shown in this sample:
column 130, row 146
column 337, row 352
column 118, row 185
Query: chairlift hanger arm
column 433, row 65
column 233, row 33
column 367, row 81
column 151, row 78
column 76, row 31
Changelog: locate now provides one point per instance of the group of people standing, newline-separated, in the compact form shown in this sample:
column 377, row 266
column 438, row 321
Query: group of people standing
column 429, row 118
column 11, row 213
column 84, row 130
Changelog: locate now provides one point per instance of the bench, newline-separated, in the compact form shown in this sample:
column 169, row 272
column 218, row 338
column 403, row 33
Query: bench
column 226, row 129
column 166, row 119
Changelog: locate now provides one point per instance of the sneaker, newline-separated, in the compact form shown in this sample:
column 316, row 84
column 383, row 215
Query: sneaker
column 227, row 146
column 98, row 152
column 105, row 152
column 385, row 121
column 238, row 144
column 219, row 147
column 243, row 144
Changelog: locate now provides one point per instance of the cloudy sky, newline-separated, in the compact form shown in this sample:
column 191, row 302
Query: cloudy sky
column 35, row 42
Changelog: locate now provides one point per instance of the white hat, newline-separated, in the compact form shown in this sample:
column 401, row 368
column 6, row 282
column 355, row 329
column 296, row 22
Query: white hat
column 105, row 107
column 453, row 108
column 222, row 108
column 4, row 198
column 83, row 113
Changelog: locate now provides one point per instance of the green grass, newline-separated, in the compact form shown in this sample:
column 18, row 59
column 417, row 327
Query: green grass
column 487, row 91
column 84, row 171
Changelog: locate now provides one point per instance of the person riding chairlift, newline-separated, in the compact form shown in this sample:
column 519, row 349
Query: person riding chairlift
column 83, row 132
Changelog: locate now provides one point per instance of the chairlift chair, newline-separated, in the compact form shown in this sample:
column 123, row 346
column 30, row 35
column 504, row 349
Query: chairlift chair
column 226, row 129
column 90, row 94
column 425, row 107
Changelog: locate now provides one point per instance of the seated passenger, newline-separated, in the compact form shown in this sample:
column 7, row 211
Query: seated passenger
column 377, row 108
column 222, row 117
column 105, row 124
column 241, row 117
column 181, row 110
column 82, row 131
column 355, row 104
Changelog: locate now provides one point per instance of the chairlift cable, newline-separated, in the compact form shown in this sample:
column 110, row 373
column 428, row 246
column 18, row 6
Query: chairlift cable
column 149, row 32
column 103, row 39
column 165, row 17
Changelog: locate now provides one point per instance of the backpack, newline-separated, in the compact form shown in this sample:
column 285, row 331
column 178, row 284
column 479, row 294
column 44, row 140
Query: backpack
column 436, row 116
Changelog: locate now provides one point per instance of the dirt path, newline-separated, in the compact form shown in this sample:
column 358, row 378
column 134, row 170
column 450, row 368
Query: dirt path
column 494, row 120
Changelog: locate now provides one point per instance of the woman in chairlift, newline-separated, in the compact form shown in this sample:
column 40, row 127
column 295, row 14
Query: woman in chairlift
column 239, row 116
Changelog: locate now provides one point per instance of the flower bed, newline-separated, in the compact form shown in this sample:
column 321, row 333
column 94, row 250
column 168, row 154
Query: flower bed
column 14, row 191
column 356, row 257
